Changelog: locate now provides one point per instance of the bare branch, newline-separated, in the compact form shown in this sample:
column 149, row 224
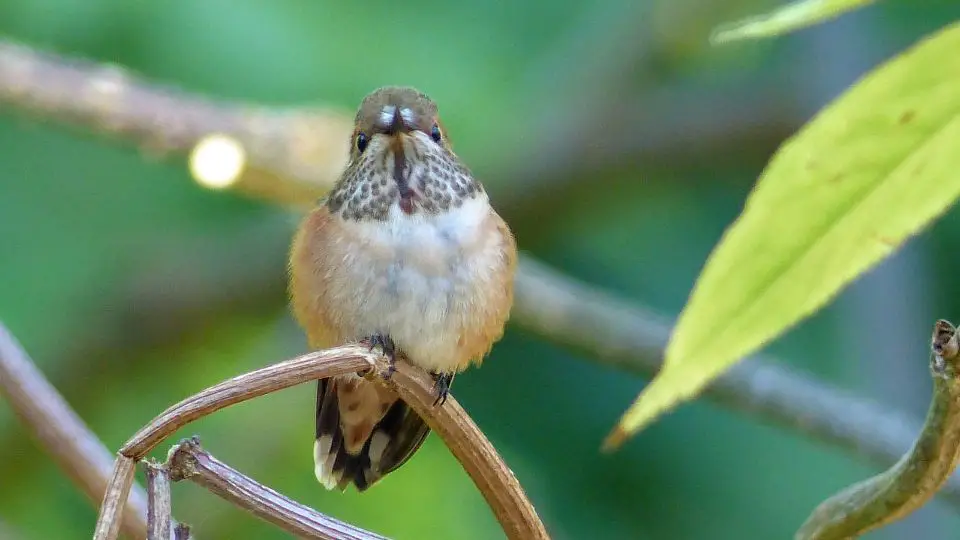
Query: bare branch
column 159, row 509
column 915, row 479
column 467, row 443
column 626, row 337
column 115, row 499
column 187, row 460
column 292, row 156
column 472, row 449
column 310, row 366
column 61, row 432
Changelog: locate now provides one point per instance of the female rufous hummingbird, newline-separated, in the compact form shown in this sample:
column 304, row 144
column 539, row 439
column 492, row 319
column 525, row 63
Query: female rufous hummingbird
column 404, row 253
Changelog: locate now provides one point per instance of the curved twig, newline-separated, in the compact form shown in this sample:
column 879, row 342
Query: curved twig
column 912, row 481
column 310, row 366
column 188, row 461
column 472, row 449
column 307, row 367
column 492, row 477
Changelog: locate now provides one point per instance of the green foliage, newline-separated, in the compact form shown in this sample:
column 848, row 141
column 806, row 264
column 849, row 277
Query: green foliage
column 84, row 220
column 869, row 171
column 789, row 18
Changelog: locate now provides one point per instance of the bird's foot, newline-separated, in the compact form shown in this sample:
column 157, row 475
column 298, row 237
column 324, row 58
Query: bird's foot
column 389, row 349
column 441, row 387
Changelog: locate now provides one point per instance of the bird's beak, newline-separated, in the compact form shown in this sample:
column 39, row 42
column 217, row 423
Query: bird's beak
column 393, row 120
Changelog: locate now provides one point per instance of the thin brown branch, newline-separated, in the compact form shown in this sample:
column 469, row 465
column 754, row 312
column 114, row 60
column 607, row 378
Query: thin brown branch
column 467, row 443
column 621, row 335
column 115, row 499
column 159, row 508
column 188, row 461
column 60, row 432
column 292, row 155
column 491, row 475
column 310, row 366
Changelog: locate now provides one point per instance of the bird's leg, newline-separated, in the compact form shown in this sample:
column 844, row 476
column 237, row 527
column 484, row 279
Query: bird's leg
column 389, row 350
column 441, row 387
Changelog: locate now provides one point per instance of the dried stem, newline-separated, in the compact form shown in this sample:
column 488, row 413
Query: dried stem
column 915, row 479
column 115, row 499
column 159, row 509
column 189, row 461
column 472, row 449
column 308, row 367
column 61, row 432
column 492, row 477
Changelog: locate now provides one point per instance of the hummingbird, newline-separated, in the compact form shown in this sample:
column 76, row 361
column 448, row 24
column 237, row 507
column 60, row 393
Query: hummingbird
column 405, row 253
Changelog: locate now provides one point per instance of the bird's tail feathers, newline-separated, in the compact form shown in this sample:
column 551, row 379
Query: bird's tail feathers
column 391, row 442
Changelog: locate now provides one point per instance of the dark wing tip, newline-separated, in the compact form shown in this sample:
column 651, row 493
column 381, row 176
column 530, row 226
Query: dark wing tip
column 392, row 442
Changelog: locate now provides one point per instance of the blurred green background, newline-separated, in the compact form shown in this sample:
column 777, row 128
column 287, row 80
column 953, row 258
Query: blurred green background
column 612, row 137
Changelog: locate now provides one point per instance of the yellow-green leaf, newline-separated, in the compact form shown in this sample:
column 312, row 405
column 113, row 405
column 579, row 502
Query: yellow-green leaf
column 868, row 171
column 788, row 18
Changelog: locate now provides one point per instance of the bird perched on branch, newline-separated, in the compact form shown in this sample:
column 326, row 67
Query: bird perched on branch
column 407, row 254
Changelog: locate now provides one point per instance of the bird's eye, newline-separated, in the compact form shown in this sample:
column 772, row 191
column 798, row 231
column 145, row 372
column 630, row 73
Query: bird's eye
column 362, row 142
column 435, row 133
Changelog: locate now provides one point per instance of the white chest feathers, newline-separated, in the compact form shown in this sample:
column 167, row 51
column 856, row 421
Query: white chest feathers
column 420, row 278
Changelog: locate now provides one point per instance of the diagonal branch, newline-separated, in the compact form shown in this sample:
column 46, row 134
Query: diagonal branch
column 293, row 155
column 626, row 337
column 61, row 432
column 188, row 461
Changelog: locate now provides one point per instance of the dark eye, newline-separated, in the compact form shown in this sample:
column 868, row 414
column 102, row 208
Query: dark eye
column 435, row 133
column 362, row 141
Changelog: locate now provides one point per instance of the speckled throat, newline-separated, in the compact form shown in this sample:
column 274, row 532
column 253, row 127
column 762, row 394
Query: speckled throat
column 417, row 176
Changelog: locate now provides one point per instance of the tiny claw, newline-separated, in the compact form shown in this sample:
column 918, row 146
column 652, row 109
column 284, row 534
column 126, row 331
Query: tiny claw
column 391, row 368
column 441, row 387
column 389, row 349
